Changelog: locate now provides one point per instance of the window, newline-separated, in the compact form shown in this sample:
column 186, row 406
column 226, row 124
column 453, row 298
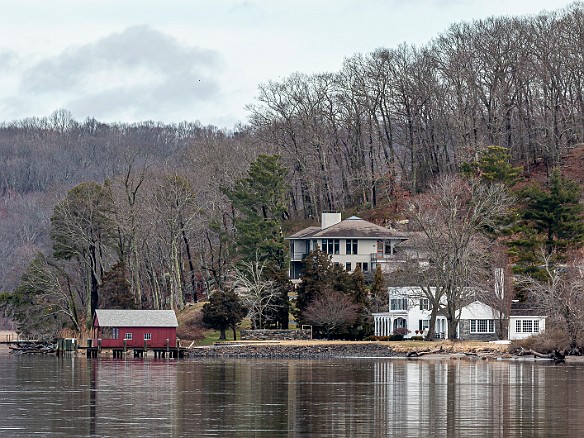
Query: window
column 482, row 326
column 330, row 246
column 348, row 266
column 527, row 326
column 425, row 304
column 388, row 249
column 128, row 336
column 365, row 267
column 147, row 336
column 424, row 324
column 399, row 303
column 115, row 333
column 352, row 246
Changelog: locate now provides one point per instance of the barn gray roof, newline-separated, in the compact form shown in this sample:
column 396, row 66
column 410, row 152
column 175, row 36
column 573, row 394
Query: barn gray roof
column 354, row 227
column 136, row 318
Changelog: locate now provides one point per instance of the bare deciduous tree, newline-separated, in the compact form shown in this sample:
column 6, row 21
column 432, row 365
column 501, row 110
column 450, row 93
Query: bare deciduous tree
column 561, row 295
column 332, row 311
column 453, row 217
column 258, row 295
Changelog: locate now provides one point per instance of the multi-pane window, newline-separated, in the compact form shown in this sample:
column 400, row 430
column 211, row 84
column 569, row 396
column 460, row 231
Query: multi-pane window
column 352, row 246
column 424, row 324
column 527, row 326
column 348, row 266
column 425, row 304
column 128, row 336
column 482, row 326
column 115, row 333
column 331, row 246
column 399, row 303
column 147, row 336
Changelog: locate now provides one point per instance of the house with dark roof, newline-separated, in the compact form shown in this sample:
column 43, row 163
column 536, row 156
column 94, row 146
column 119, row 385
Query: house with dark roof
column 138, row 328
column 409, row 309
column 351, row 242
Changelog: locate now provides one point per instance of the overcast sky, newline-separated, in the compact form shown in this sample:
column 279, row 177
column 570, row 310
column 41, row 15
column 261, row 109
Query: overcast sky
column 174, row 60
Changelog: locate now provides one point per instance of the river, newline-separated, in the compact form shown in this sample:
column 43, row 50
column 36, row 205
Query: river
column 76, row 397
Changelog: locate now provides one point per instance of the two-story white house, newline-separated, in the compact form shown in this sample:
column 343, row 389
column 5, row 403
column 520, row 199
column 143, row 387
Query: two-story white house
column 409, row 309
column 351, row 242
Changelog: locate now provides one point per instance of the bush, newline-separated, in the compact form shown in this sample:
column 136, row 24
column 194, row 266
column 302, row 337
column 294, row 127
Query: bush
column 545, row 342
column 417, row 338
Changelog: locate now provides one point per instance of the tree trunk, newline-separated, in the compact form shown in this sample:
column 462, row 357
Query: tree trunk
column 222, row 337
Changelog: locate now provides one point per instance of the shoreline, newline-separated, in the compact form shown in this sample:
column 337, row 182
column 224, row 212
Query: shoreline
column 347, row 349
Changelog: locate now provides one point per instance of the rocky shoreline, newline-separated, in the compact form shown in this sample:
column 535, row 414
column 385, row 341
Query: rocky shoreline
column 324, row 350
column 320, row 351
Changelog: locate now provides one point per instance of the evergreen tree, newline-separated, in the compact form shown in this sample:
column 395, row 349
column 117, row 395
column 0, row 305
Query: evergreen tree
column 494, row 166
column 358, row 289
column 316, row 275
column 551, row 221
column 224, row 310
column 260, row 202
column 379, row 296
column 115, row 290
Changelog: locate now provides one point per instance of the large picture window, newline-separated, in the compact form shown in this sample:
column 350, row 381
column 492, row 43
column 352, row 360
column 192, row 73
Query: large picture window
column 482, row 326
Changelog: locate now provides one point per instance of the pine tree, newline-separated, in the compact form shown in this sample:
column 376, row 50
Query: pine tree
column 260, row 202
column 379, row 296
column 493, row 166
column 551, row 221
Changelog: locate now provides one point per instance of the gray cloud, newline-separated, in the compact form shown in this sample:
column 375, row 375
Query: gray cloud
column 139, row 71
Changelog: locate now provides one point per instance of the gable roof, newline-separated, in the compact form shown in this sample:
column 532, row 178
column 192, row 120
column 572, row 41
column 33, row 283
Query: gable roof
column 353, row 227
column 135, row 318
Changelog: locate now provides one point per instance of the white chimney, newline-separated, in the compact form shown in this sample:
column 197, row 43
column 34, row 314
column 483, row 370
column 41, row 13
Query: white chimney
column 330, row 219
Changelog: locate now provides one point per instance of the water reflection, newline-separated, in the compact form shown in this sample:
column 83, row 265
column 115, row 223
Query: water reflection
column 79, row 397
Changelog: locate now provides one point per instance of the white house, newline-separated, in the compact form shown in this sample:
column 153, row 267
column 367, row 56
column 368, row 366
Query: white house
column 409, row 309
column 524, row 321
column 351, row 242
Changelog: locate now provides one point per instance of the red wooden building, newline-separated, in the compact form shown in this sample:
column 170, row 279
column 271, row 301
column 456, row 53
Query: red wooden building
column 153, row 328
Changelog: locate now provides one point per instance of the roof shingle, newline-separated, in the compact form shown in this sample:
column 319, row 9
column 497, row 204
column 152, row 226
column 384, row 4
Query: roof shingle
column 136, row 318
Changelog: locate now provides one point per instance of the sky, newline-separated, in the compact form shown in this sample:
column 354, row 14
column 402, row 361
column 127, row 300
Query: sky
column 199, row 60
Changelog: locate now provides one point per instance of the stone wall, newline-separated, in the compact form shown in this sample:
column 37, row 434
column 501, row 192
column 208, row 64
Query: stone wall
column 274, row 335
column 466, row 335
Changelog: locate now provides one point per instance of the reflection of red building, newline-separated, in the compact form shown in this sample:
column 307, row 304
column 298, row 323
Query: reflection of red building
column 153, row 328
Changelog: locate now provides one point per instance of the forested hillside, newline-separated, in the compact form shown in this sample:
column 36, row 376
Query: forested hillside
column 386, row 124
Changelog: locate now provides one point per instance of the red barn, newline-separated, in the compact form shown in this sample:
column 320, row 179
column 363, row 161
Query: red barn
column 155, row 328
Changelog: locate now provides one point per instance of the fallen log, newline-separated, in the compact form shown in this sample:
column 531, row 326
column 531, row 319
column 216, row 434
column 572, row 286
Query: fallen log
column 424, row 352
column 555, row 355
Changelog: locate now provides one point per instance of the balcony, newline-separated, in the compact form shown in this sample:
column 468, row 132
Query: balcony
column 297, row 255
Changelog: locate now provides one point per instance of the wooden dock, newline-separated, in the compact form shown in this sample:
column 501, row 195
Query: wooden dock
column 138, row 352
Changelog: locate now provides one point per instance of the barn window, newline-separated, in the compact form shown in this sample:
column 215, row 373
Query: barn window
column 128, row 336
column 115, row 333
column 147, row 336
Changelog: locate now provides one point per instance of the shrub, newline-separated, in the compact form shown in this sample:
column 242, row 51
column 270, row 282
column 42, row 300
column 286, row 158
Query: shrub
column 545, row 342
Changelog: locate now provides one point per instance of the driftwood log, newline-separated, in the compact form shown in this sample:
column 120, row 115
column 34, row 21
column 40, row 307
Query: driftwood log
column 556, row 356
column 424, row 352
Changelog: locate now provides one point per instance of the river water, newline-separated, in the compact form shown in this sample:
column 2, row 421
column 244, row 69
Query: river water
column 76, row 397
